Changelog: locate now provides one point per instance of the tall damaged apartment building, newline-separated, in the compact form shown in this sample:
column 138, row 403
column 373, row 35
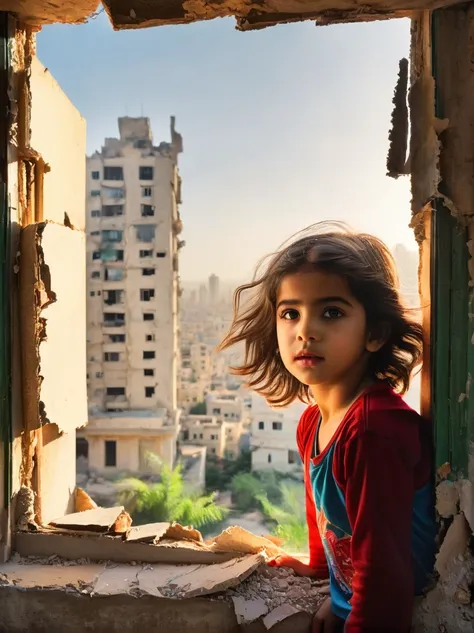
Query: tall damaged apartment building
column 132, row 224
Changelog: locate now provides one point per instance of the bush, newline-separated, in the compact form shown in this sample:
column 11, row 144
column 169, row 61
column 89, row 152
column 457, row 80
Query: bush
column 289, row 517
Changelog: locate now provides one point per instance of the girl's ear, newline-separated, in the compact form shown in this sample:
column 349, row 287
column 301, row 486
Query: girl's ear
column 377, row 337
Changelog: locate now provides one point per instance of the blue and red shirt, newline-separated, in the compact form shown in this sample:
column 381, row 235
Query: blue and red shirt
column 370, row 509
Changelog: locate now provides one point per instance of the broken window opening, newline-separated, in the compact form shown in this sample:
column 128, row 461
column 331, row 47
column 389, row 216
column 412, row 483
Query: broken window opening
column 149, row 392
column 145, row 232
column 114, row 319
column 148, row 210
column 115, row 391
column 112, row 210
column 147, row 294
column 145, row 172
column 112, row 236
column 148, row 372
column 113, row 297
column 113, row 274
column 113, row 173
column 111, row 357
column 110, row 453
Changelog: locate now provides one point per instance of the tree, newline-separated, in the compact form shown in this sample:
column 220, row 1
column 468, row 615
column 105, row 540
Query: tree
column 289, row 517
column 198, row 409
column 167, row 501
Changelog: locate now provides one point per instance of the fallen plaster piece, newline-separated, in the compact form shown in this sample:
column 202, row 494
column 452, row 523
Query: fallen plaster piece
column 455, row 544
column 279, row 614
column 178, row 532
column 149, row 533
column 83, row 501
column 447, row 498
column 50, row 576
column 116, row 580
column 189, row 581
column 248, row 611
column 466, row 505
column 237, row 539
column 96, row 520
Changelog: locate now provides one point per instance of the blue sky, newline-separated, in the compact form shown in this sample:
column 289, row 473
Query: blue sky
column 282, row 127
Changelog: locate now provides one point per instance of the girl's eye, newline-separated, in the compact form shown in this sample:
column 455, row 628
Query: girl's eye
column 289, row 315
column 332, row 313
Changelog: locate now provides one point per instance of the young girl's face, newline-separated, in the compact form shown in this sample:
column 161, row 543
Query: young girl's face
column 321, row 328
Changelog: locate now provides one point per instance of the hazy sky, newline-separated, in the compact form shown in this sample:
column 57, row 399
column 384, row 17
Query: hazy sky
column 282, row 127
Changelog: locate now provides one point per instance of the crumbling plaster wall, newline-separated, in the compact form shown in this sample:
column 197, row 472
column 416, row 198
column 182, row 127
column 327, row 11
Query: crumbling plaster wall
column 441, row 158
column 47, row 180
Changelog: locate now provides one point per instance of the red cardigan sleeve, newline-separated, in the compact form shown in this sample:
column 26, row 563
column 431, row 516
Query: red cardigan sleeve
column 317, row 556
column 379, row 490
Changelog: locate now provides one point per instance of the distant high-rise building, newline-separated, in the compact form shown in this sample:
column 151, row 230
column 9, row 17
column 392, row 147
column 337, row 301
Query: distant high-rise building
column 133, row 223
column 203, row 296
column 213, row 289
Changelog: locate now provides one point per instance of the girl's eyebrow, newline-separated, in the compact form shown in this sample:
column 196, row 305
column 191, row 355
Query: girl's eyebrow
column 297, row 302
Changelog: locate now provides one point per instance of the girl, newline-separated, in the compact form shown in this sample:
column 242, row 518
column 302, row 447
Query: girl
column 325, row 323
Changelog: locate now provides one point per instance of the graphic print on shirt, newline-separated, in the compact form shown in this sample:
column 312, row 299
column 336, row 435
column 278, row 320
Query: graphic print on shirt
column 333, row 524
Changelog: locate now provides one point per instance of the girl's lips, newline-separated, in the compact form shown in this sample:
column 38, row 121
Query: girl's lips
column 309, row 361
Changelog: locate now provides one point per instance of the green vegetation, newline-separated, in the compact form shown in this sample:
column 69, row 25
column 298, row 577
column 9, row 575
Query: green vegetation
column 220, row 472
column 167, row 500
column 198, row 409
column 289, row 517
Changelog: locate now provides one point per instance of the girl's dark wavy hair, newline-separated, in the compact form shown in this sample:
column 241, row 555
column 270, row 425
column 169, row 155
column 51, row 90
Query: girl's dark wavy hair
column 368, row 266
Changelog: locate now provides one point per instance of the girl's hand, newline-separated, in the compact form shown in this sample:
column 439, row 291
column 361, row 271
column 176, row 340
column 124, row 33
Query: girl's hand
column 300, row 568
column 325, row 621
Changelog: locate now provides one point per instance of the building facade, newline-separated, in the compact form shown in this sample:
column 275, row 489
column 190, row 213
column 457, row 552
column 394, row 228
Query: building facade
column 133, row 224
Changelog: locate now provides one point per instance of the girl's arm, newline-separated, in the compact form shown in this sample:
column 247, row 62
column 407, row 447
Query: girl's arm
column 379, row 492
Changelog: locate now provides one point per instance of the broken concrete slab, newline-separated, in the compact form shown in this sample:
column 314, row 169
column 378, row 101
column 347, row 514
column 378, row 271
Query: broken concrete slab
column 50, row 576
column 248, row 611
column 149, row 533
column 278, row 615
column 237, row 539
column 119, row 579
column 455, row 544
column 113, row 520
column 101, row 547
column 189, row 581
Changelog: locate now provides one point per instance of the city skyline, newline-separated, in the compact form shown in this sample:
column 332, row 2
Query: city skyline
column 281, row 129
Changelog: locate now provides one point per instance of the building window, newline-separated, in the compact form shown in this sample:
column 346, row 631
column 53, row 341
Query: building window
column 95, row 213
column 213, row 450
column 113, row 274
column 261, row 426
column 148, row 210
column 292, row 457
column 147, row 294
column 145, row 232
column 94, row 233
column 147, row 192
column 92, row 293
column 114, row 193
column 113, row 297
column 111, row 255
column 148, row 316
column 149, row 392
column 147, row 355
column 147, row 272
column 112, row 210
column 95, row 274
column 195, row 436
column 115, row 391
column 110, row 453
column 148, row 372
column 112, row 236
column 114, row 319
column 146, row 253
column 145, row 172
column 95, row 175
column 277, row 426
column 99, row 374
column 216, row 412
column 150, row 337
column 161, row 255
column 116, row 338
column 96, row 255
column 95, row 193
column 113, row 173
column 111, row 357
column 269, row 458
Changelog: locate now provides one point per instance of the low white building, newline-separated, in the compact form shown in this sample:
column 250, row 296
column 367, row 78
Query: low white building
column 273, row 439
column 225, row 406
